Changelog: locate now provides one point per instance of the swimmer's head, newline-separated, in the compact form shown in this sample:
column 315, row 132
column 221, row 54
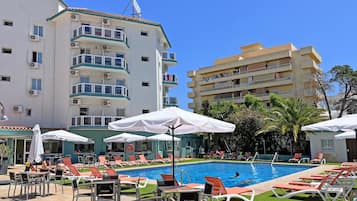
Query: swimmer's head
column 237, row 174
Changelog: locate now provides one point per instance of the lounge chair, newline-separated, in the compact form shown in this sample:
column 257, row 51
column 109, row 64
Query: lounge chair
column 76, row 174
column 159, row 158
column 68, row 162
column 169, row 177
column 133, row 161
column 218, row 190
column 103, row 161
column 319, row 189
column 96, row 173
column 119, row 162
column 176, row 159
column 143, row 160
column 318, row 158
column 296, row 158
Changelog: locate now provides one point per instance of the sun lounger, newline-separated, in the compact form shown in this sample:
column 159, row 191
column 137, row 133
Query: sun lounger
column 119, row 162
column 320, row 189
column 103, row 161
column 218, row 190
column 160, row 159
column 176, row 159
column 143, row 160
column 96, row 173
column 318, row 158
column 296, row 158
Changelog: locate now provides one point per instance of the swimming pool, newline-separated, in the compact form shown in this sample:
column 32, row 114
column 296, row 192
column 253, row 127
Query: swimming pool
column 195, row 173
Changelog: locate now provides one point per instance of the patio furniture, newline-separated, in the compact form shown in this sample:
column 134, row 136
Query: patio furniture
column 169, row 178
column 318, row 158
column 76, row 193
column 14, row 181
column 219, row 191
column 296, row 158
column 57, row 178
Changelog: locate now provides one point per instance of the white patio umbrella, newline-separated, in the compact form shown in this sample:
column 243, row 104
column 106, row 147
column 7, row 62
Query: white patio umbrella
column 346, row 135
column 124, row 137
column 163, row 137
column 62, row 135
column 36, row 147
column 176, row 120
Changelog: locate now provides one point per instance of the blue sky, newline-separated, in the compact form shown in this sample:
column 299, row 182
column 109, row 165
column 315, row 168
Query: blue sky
column 203, row 30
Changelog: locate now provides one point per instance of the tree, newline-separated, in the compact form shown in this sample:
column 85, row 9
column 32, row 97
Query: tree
column 287, row 116
column 222, row 109
column 346, row 77
column 253, row 102
column 325, row 85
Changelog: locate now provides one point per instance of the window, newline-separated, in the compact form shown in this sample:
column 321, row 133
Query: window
column 144, row 33
column 38, row 30
column 5, row 78
column 36, row 84
column 36, row 57
column 83, row 148
column 120, row 82
column 145, row 111
column 85, row 51
column 8, row 23
column 145, row 59
column 28, row 112
column 83, row 111
column 145, row 84
column 52, row 147
column 84, row 79
column 6, row 50
column 327, row 144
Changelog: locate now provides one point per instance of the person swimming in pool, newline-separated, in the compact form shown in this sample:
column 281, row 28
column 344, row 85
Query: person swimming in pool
column 236, row 175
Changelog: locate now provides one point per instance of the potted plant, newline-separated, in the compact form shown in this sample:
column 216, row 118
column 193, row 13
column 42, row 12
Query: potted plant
column 4, row 154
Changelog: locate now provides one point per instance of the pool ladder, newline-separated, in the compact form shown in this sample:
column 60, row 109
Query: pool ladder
column 182, row 171
column 254, row 157
column 275, row 157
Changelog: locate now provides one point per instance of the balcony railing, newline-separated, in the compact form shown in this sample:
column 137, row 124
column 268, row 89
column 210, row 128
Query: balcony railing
column 94, row 89
column 170, row 101
column 94, row 121
column 169, row 56
column 169, row 79
column 100, row 61
column 240, row 72
column 101, row 33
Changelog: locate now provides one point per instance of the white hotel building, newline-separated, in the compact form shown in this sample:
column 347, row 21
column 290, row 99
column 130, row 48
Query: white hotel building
column 78, row 69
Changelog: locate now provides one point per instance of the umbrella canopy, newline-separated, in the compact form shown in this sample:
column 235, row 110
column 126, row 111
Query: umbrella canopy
column 163, row 137
column 338, row 124
column 176, row 120
column 63, row 135
column 346, row 135
column 125, row 137
column 36, row 147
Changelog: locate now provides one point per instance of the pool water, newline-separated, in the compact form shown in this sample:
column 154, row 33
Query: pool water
column 248, row 173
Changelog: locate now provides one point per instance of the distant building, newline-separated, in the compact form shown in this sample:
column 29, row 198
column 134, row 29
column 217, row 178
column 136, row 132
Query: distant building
column 78, row 69
column 283, row 70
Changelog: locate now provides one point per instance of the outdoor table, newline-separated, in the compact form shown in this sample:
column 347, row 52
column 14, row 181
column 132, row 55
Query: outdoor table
column 183, row 192
column 42, row 176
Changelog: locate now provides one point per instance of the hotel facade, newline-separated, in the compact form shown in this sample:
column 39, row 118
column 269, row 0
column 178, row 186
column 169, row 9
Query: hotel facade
column 283, row 70
column 78, row 69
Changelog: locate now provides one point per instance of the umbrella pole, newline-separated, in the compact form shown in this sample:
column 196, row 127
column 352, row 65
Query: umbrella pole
column 173, row 152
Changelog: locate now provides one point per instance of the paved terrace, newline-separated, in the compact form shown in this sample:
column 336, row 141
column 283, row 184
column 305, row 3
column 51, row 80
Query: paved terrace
column 67, row 195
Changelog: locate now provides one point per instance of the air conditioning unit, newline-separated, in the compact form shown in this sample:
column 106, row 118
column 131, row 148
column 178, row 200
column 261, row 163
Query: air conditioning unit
column 76, row 101
column 75, row 45
column 75, row 73
column 34, row 92
column 18, row 108
column 34, row 65
column 107, row 102
column 107, row 76
column 34, row 38
column 75, row 17
column 105, row 21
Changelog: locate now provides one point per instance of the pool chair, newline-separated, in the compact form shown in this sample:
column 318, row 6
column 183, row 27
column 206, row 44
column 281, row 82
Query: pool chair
column 160, row 159
column 102, row 161
column 68, row 162
column 143, row 160
column 95, row 172
column 176, row 159
column 218, row 191
column 296, row 158
column 318, row 158
column 119, row 162
column 76, row 174
column 169, row 178
column 133, row 161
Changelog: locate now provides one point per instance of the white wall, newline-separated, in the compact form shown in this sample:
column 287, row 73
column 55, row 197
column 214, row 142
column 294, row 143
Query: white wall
column 338, row 154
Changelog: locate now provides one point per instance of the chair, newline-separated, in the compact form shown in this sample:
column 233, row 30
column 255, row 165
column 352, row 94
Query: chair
column 143, row 160
column 74, row 171
column 159, row 158
column 176, row 159
column 95, row 172
column 58, row 177
column 170, row 179
column 103, row 161
column 76, row 193
column 26, row 183
column 296, row 158
column 118, row 161
column 219, row 191
column 14, row 180
column 318, row 158
column 133, row 161
column 104, row 189
column 294, row 190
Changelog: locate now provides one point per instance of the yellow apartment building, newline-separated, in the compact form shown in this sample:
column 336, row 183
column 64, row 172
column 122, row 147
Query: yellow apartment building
column 283, row 70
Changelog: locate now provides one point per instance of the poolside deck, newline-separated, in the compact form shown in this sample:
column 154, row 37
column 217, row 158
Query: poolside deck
column 67, row 195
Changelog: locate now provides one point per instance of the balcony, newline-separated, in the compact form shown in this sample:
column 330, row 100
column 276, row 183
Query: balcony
column 191, row 105
column 169, row 58
column 98, row 62
column 191, row 84
column 170, row 80
column 106, row 36
column 191, row 94
column 93, row 121
column 310, row 64
column 246, row 73
column 191, row 73
column 100, row 90
column 170, row 102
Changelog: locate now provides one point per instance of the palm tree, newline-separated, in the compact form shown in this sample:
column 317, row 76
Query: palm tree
column 287, row 116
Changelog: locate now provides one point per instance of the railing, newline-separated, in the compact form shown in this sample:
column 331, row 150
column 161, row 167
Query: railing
column 169, row 78
column 100, row 32
column 170, row 101
column 170, row 56
column 240, row 72
column 100, row 121
column 98, row 60
column 99, row 89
